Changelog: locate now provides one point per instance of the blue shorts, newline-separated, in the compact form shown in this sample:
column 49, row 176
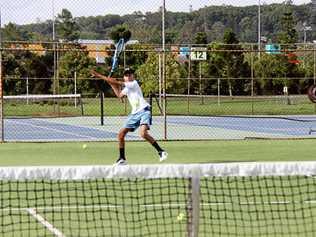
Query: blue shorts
column 142, row 117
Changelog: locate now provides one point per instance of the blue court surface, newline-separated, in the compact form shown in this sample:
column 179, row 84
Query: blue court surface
column 178, row 128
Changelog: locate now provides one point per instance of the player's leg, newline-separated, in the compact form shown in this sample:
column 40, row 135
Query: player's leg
column 143, row 132
column 121, row 138
column 131, row 124
column 144, row 128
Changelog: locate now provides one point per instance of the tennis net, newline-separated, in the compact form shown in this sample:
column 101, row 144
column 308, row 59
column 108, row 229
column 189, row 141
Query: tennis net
column 43, row 105
column 234, row 199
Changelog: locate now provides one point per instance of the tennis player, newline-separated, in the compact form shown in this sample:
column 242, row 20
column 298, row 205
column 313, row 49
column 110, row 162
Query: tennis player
column 140, row 115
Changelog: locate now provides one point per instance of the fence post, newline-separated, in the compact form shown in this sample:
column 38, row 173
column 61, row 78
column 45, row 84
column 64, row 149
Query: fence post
column 314, row 76
column 189, row 84
column 75, row 88
column 1, row 87
column 218, row 91
column 164, row 82
column 1, row 98
column 101, row 108
column 252, row 81
column 159, row 79
column 27, row 90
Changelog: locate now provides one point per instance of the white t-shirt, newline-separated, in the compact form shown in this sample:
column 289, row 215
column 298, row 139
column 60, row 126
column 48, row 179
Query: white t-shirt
column 135, row 96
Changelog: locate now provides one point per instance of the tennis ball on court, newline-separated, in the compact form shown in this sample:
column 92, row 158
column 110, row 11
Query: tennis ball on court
column 180, row 217
column 84, row 146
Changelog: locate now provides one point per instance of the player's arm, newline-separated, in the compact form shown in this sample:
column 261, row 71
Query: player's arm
column 115, row 85
column 117, row 90
column 110, row 80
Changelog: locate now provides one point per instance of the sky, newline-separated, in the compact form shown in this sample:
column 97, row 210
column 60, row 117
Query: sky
column 31, row 11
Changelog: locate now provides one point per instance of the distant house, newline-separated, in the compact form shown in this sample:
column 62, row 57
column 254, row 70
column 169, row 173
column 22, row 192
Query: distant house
column 99, row 49
column 32, row 47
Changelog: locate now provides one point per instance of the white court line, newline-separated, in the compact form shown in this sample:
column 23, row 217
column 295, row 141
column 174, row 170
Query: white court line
column 164, row 205
column 60, row 208
column 98, row 128
column 56, row 130
column 238, row 126
column 44, row 222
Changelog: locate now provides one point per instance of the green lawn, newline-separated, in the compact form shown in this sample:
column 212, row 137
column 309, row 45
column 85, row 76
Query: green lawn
column 104, row 153
column 195, row 106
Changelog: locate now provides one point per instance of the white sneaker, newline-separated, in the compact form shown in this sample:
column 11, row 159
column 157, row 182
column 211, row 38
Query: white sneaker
column 163, row 155
column 121, row 161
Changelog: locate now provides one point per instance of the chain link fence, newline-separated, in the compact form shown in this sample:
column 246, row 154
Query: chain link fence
column 197, row 91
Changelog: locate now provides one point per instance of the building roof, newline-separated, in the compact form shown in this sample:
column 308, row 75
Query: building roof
column 89, row 41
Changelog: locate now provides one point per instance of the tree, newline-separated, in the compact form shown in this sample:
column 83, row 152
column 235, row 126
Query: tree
column 11, row 32
column 137, row 56
column 313, row 17
column 80, row 63
column 67, row 27
column 270, row 66
column 119, row 32
column 23, row 64
column 144, row 32
column 247, row 29
column 148, row 75
column 200, row 38
column 181, row 27
column 232, row 63
column 217, row 31
column 288, row 34
column 199, row 68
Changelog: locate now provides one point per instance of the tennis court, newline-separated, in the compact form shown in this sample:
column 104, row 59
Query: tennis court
column 178, row 128
column 233, row 105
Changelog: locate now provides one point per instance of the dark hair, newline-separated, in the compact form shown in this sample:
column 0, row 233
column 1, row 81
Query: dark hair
column 128, row 71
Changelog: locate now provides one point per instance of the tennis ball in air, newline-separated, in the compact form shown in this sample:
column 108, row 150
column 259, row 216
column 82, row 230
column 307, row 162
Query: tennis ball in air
column 180, row 217
column 84, row 146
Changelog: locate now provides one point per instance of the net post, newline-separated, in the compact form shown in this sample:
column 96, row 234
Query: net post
column 81, row 105
column 194, row 206
column 151, row 102
column 101, row 108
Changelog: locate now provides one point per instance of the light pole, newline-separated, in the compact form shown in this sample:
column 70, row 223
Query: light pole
column 163, row 25
column 55, row 55
column 0, row 28
column 259, row 26
column 53, row 18
column 164, row 67
column 305, row 29
column 1, row 86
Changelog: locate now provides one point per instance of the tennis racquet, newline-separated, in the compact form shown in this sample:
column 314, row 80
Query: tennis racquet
column 119, row 47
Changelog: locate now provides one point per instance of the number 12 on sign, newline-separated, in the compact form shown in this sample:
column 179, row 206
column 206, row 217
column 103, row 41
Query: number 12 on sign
column 198, row 54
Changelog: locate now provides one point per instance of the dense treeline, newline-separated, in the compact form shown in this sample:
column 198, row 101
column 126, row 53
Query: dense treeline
column 223, row 29
column 182, row 27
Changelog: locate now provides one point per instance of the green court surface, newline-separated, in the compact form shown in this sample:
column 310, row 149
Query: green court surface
column 241, row 207
column 249, row 206
column 105, row 153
